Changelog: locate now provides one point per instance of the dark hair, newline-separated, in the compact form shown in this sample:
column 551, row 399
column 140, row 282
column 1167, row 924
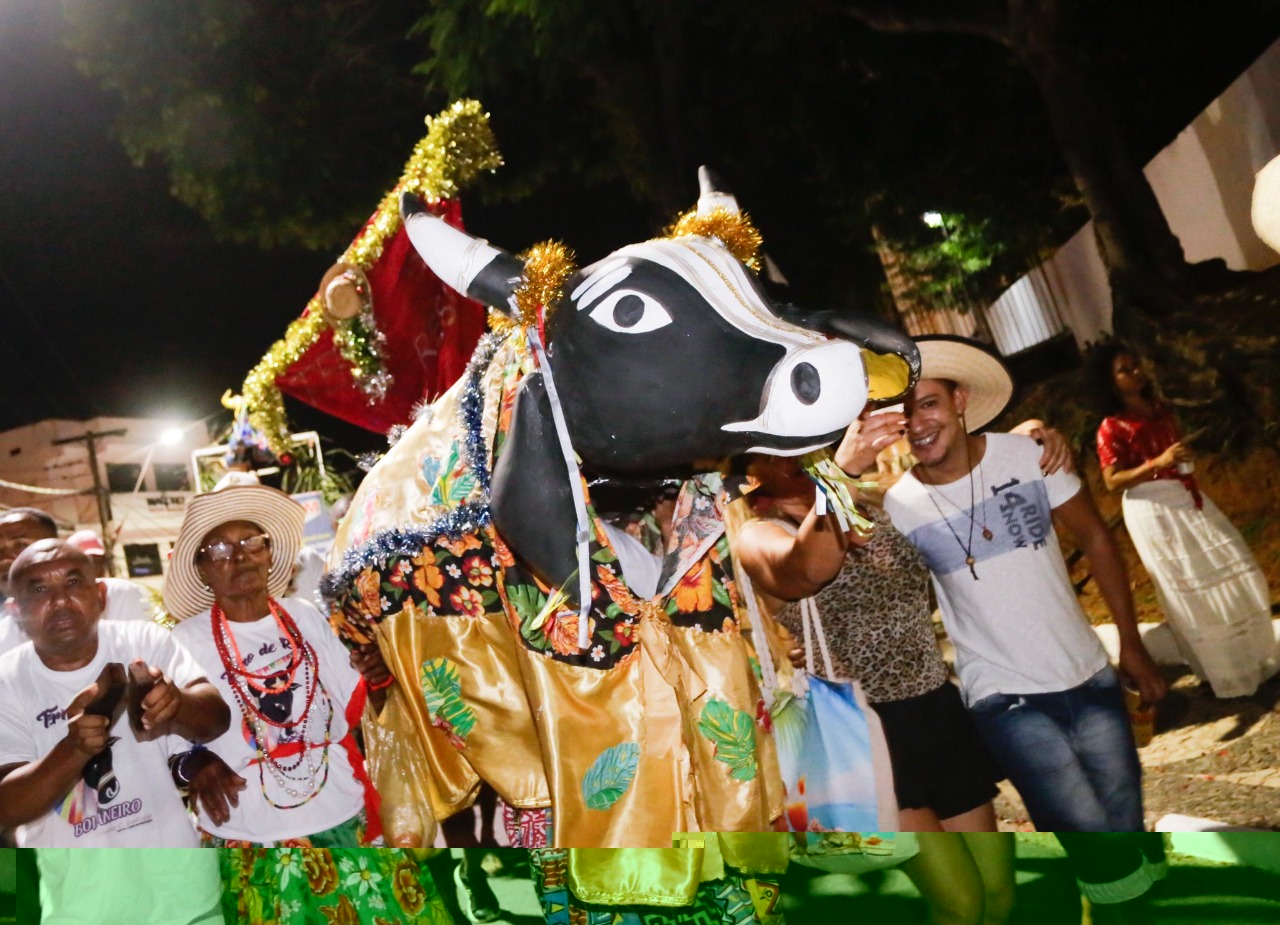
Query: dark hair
column 44, row 518
column 1102, row 380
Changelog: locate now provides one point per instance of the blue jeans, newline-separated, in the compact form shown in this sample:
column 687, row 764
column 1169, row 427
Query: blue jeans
column 1070, row 754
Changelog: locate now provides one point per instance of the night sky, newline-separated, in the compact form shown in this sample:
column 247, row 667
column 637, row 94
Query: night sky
column 114, row 298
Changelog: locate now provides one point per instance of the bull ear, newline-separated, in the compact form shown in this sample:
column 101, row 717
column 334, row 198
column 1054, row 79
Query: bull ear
column 468, row 264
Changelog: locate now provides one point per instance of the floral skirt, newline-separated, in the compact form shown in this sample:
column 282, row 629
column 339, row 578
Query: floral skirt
column 329, row 886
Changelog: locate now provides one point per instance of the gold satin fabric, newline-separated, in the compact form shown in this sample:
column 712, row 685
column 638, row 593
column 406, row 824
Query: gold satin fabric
column 583, row 711
column 670, row 876
column 503, row 747
column 721, row 661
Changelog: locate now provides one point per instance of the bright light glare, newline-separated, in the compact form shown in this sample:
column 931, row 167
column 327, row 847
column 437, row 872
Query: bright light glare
column 171, row 436
column 932, row 219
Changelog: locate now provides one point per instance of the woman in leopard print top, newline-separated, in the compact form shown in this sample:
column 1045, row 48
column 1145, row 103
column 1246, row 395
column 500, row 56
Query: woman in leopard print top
column 877, row 617
column 872, row 596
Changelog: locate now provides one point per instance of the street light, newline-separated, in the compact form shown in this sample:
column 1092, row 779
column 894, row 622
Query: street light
column 934, row 220
column 171, row 436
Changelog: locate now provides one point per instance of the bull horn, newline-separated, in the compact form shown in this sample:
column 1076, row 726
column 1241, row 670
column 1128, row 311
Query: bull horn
column 712, row 194
column 465, row 263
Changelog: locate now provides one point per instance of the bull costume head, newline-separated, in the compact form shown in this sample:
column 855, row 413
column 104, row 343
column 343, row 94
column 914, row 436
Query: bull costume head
column 661, row 359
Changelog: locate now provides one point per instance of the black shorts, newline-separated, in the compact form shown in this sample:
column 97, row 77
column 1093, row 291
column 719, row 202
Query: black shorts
column 939, row 762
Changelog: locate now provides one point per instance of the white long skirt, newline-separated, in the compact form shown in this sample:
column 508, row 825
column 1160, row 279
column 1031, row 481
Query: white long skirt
column 1208, row 583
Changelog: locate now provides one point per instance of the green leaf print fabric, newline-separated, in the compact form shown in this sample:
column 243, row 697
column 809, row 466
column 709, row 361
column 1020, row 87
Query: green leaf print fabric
column 329, row 886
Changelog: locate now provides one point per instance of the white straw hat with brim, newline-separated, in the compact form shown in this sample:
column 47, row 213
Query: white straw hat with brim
column 973, row 365
column 1266, row 204
column 280, row 517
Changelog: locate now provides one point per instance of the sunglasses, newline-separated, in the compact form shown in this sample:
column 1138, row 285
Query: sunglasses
column 222, row 551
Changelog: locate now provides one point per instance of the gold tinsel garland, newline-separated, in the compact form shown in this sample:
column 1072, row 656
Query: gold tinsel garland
column 546, row 267
column 263, row 401
column 732, row 229
column 459, row 145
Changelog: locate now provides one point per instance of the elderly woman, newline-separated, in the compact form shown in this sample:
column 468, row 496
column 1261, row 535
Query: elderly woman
column 288, row 774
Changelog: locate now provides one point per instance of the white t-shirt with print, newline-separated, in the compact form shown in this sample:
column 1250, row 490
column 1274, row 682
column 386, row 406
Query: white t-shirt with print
column 125, row 797
column 1018, row 629
column 261, row 646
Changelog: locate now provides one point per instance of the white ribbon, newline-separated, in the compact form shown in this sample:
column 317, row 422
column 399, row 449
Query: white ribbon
column 583, row 538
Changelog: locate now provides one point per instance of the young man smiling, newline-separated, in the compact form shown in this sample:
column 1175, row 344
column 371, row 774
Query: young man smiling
column 1033, row 673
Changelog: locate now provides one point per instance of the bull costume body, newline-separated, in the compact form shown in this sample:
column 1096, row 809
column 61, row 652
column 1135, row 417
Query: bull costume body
column 468, row 543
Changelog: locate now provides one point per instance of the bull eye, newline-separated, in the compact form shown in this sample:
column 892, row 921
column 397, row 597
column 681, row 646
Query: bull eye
column 629, row 312
column 806, row 383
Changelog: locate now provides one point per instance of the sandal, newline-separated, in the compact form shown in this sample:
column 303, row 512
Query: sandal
column 478, row 905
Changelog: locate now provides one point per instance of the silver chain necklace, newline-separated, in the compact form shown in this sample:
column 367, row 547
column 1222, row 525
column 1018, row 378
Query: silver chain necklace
column 929, row 490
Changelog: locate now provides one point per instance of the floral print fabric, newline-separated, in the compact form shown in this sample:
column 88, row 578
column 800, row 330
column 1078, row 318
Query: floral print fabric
column 476, row 574
column 733, row 900
column 329, row 886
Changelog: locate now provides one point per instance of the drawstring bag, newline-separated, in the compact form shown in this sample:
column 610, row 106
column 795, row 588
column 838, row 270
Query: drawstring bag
column 834, row 759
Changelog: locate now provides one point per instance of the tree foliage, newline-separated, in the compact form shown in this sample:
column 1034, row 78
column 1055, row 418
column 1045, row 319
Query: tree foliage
column 282, row 123
column 279, row 123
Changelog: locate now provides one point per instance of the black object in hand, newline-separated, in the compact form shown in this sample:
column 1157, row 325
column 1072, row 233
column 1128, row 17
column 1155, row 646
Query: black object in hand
column 111, row 688
column 139, row 685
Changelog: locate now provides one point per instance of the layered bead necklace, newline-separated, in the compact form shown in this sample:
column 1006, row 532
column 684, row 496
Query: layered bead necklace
column 929, row 489
column 300, row 783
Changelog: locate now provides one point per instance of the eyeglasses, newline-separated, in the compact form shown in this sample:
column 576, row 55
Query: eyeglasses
column 222, row 551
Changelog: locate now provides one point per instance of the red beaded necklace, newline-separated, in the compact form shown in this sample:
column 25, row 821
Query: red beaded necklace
column 240, row 678
column 301, row 655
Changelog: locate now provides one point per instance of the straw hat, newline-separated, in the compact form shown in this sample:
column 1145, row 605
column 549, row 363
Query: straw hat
column 1266, row 204
column 185, row 595
column 973, row 365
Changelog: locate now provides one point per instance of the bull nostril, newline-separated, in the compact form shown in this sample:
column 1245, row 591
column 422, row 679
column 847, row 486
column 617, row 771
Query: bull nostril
column 806, row 383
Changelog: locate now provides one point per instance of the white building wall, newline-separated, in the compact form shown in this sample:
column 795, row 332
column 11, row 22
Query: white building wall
column 29, row 456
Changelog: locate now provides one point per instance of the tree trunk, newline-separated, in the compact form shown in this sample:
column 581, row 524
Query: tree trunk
column 1144, row 259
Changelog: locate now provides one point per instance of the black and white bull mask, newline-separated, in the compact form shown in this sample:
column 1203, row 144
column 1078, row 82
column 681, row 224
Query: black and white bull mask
column 667, row 357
